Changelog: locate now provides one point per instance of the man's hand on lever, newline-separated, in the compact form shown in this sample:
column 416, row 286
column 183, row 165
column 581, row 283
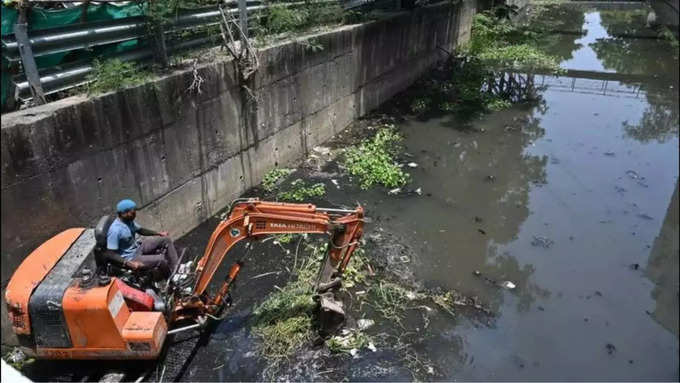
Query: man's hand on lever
column 134, row 265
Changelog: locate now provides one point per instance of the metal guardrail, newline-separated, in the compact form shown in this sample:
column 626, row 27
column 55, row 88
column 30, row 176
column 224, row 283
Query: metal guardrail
column 89, row 35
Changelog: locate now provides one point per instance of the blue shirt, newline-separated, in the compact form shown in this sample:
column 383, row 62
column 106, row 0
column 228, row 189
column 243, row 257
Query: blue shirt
column 121, row 238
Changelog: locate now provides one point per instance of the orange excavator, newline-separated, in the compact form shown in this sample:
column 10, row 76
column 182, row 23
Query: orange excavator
column 65, row 302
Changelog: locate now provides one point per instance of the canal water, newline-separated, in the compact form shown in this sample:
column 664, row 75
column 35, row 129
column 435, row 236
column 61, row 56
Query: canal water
column 573, row 199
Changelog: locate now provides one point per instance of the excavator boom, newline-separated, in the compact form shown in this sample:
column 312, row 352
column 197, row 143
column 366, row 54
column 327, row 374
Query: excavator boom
column 253, row 219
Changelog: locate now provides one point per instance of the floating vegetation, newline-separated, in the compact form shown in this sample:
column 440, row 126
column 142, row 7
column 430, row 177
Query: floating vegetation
column 300, row 191
column 274, row 177
column 373, row 160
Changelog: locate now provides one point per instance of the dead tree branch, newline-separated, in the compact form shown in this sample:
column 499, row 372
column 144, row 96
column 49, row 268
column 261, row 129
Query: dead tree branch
column 198, row 80
column 239, row 46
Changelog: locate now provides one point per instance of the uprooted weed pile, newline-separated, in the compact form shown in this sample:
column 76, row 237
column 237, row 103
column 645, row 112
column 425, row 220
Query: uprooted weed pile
column 285, row 322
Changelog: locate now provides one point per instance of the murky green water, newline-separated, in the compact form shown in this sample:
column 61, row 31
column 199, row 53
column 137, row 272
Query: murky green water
column 576, row 202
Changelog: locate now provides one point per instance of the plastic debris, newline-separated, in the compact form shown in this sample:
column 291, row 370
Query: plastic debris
column 508, row 285
column 543, row 242
column 354, row 352
column 418, row 191
column 632, row 174
column 365, row 323
column 335, row 182
column 610, row 348
column 412, row 165
column 322, row 150
column 372, row 347
column 16, row 356
column 394, row 191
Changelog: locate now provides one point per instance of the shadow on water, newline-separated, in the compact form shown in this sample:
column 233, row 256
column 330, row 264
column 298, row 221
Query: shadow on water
column 662, row 268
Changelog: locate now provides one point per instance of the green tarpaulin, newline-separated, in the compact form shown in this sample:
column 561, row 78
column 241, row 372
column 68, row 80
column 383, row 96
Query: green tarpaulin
column 39, row 18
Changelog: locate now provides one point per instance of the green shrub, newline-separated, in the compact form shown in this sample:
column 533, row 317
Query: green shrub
column 498, row 42
column 498, row 104
column 113, row 75
column 277, row 18
column 420, row 105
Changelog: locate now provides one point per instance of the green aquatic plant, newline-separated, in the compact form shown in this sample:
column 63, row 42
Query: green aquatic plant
column 300, row 191
column 373, row 160
column 273, row 177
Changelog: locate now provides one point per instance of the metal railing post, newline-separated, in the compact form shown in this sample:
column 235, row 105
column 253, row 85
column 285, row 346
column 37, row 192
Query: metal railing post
column 27, row 59
column 243, row 16
column 160, row 47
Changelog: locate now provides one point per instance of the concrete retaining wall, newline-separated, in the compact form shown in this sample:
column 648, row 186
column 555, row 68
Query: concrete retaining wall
column 184, row 156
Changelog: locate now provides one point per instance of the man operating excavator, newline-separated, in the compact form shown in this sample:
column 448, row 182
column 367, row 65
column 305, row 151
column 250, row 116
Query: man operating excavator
column 61, row 309
column 156, row 252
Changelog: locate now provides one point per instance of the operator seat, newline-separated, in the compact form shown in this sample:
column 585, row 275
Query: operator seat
column 100, row 233
column 125, row 274
column 105, row 267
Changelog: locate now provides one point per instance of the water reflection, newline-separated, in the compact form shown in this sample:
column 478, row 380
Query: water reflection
column 625, row 50
column 659, row 121
column 514, row 87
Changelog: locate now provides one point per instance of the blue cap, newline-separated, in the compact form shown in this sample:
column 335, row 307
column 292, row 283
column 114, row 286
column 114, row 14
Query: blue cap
column 126, row 205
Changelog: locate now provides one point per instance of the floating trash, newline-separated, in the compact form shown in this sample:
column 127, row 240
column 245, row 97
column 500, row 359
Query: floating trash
column 543, row 242
column 508, row 285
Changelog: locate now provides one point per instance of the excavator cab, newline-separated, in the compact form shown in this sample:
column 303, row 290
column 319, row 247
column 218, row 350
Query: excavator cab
column 61, row 309
column 142, row 280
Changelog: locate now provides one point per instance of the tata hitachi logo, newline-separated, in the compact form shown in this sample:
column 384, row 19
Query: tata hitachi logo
column 301, row 226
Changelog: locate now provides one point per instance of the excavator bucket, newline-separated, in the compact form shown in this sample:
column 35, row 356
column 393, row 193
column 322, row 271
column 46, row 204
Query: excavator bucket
column 331, row 314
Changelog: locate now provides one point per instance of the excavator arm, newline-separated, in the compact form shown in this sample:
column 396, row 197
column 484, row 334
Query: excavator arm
column 255, row 219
